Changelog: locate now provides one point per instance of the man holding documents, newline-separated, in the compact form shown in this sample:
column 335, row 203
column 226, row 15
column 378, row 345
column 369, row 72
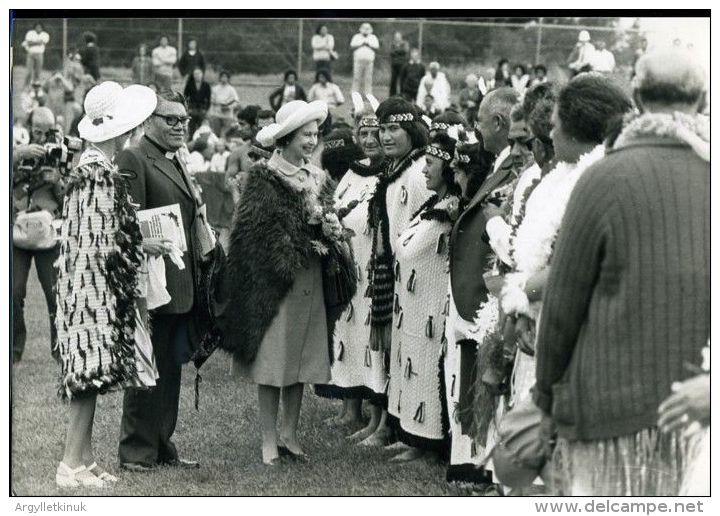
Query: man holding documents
column 158, row 179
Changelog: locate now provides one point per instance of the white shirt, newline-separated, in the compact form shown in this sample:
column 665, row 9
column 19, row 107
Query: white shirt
column 497, row 229
column 438, row 87
column 39, row 40
column 604, row 61
column 365, row 46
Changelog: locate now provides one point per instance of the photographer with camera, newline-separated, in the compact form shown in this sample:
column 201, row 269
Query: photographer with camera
column 38, row 189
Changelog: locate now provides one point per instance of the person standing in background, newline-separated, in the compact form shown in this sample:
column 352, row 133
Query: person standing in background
column 224, row 100
column 323, row 45
column 502, row 74
column 164, row 58
column 90, row 55
column 142, row 67
column 364, row 44
column 192, row 58
column 604, row 60
column 34, row 45
column 398, row 59
column 198, row 95
column 411, row 75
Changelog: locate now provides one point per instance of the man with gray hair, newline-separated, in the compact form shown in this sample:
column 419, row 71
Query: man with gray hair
column 470, row 249
column 627, row 301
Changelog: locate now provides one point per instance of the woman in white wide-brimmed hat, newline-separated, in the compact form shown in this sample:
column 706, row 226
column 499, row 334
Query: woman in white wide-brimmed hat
column 285, row 242
column 101, row 338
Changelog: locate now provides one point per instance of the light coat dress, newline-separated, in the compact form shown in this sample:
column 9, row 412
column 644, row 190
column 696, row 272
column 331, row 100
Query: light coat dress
column 294, row 348
column 355, row 364
column 421, row 279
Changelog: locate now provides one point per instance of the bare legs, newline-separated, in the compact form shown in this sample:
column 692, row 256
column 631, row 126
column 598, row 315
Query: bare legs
column 269, row 400
column 375, row 416
column 380, row 436
column 78, row 448
column 350, row 413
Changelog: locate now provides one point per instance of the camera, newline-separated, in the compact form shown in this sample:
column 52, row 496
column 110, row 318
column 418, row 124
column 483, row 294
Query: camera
column 59, row 154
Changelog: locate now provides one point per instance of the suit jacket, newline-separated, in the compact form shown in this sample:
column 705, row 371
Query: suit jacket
column 470, row 248
column 154, row 181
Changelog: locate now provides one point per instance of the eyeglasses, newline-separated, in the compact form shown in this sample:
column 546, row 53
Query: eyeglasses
column 172, row 120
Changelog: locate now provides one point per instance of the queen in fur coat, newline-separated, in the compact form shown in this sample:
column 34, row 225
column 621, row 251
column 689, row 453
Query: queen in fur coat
column 286, row 243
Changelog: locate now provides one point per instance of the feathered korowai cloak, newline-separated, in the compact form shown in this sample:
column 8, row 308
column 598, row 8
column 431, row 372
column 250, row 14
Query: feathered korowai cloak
column 271, row 240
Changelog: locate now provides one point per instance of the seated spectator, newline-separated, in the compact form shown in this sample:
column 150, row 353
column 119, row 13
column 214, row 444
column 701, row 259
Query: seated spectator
column 290, row 90
column 219, row 157
column 603, row 60
column 33, row 97
column 520, row 79
column 436, row 84
column 198, row 95
column 470, row 98
column 203, row 130
column 428, row 107
column 201, row 151
column 539, row 75
column 224, row 101
column 326, row 90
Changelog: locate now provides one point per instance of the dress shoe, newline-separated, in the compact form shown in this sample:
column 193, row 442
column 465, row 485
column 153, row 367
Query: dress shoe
column 182, row 463
column 136, row 467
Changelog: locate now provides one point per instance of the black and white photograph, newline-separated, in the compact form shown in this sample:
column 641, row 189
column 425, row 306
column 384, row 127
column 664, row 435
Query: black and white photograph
column 360, row 253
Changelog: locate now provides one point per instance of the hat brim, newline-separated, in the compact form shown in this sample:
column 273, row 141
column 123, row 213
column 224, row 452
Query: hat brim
column 313, row 111
column 135, row 105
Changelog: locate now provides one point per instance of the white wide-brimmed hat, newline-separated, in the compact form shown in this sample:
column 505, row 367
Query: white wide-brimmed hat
column 291, row 116
column 111, row 110
column 584, row 36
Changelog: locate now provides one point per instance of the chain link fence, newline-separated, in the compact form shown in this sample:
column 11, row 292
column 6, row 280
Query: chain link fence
column 270, row 46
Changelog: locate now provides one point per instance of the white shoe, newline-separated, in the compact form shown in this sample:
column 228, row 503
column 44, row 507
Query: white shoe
column 104, row 475
column 80, row 476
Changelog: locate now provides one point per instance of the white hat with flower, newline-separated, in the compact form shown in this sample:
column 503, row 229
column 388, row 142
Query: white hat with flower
column 111, row 110
column 291, row 116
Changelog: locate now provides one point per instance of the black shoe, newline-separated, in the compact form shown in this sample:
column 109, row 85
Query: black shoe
column 136, row 467
column 181, row 463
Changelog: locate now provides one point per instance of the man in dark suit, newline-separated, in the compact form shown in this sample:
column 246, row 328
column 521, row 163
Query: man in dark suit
column 470, row 247
column 470, row 250
column 156, row 177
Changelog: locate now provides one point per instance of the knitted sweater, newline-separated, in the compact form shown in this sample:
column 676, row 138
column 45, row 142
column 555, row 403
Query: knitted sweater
column 627, row 303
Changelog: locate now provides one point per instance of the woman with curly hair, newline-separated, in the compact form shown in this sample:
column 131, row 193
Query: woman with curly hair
column 287, row 249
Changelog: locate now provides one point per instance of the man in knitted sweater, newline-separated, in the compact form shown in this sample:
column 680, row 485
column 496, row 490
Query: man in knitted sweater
column 627, row 302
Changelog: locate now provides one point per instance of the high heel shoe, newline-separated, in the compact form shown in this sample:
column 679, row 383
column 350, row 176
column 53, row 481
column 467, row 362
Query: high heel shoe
column 80, row 476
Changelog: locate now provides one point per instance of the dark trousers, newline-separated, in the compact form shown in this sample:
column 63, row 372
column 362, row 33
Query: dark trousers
column 149, row 416
column 45, row 265
column 395, row 70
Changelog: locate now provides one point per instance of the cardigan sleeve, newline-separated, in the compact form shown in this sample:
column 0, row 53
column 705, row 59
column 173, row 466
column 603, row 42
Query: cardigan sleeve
column 573, row 275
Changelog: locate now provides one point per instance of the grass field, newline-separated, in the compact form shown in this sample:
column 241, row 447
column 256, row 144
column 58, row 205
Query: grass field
column 223, row 435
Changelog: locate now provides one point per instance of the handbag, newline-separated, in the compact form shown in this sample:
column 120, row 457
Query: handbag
column 339, row 276
column 521, row 453
column 35, row 230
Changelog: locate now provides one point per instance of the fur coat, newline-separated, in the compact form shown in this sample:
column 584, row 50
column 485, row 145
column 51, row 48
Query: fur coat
column 271, row 240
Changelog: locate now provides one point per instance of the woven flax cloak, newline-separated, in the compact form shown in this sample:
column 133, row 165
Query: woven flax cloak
column 97, row 286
